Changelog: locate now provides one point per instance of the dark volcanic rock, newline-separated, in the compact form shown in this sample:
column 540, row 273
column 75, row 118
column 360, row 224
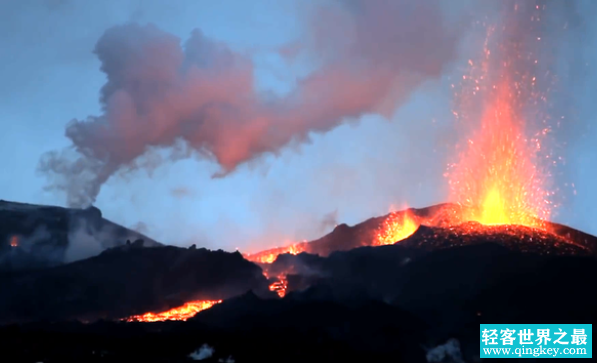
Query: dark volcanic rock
column 125, row 281
column 518, row 238
column 34, row 236
column 371, row 304
column 455, row 278
column 247, row 329
column 442, row 226
column 455, row 289
column 437, row 295
column 382, row 271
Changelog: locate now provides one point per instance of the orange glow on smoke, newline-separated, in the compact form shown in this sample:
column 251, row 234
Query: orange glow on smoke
column 396, row 227
column 14, row 241
column 184, row 312
column 497, row 177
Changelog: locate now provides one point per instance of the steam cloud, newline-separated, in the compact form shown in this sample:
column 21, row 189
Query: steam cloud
column 200, row 99
column 84, row 241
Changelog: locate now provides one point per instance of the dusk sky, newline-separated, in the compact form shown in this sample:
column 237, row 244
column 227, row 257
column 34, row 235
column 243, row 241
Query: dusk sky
column 338, row 159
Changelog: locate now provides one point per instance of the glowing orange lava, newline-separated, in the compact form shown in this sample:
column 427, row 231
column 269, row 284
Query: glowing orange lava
column 14, row 241
column 270, row 255
column 398, row 226
column 280, row 286
column 498, row 178
column 184, row 312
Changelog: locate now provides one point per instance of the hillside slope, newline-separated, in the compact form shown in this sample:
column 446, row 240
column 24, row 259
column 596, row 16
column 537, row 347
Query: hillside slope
column 37, row 236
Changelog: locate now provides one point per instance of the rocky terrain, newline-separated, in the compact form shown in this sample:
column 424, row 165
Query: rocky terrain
column 125, row 281
column 370, row 303
column 37, row 236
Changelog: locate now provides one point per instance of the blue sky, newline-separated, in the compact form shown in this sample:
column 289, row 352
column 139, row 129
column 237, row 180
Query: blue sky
column 358, row 170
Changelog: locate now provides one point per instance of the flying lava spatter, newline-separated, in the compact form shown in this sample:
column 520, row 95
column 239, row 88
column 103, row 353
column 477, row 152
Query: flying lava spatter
column 396, row 227
column 500, row 176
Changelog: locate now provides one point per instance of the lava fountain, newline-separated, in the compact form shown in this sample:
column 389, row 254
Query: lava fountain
column 396, row 227
column 501, row 175
column 498, row 177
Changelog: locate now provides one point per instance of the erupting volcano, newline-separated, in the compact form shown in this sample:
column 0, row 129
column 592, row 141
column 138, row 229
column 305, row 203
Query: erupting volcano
column 501, row 176
column 500, row 182
column 78, row 287
column 396, row 227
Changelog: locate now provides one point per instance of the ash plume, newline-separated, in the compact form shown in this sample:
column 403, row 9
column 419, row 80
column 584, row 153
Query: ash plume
column 199, row 99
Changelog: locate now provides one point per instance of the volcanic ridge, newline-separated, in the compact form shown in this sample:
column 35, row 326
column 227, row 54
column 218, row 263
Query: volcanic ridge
column 350, row 294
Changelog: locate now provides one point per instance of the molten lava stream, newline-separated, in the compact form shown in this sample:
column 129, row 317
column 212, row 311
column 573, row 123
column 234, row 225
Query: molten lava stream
column 184, row 312
column 269, row 256
column 396, row 227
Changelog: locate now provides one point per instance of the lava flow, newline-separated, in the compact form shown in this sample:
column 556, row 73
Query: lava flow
column 184, row 312
column 498, row 178
column 269, row 256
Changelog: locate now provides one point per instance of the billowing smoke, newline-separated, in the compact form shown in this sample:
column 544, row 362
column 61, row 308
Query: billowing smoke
column 45, row 246
column 198, row 99
column 84, row 241
column 89, row 234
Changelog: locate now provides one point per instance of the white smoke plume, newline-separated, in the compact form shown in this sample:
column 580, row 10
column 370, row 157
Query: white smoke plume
column 84, row 243
column 197, row 98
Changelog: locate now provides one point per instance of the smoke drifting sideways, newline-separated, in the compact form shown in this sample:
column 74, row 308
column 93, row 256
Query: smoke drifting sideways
column 199, row 100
